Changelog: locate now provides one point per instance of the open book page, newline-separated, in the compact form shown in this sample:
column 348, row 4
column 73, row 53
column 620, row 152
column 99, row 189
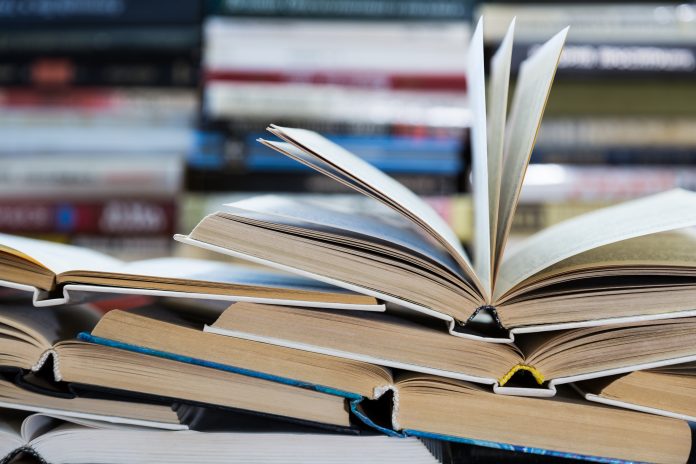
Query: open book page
column 387, row 228
column 56, row 257
column 220, row 272
column 476, row 82
column 663, row 212
column 498, row 86
column 383, row 188
column 641, row 255
column 531, row 92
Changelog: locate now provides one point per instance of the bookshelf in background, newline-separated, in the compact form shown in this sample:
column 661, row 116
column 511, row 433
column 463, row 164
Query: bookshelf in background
column 384, row 79
column 97, row 101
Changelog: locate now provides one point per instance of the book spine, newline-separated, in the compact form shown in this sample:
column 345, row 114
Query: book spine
column 591, row 22
column 216, row 180
column 644, row 133
column 74, row 71
column 348, row 105
column 85, row 40
column 373, row 55
column 641, row 95
column 79, row 176
column 90, row 105
column 616, row 155
column 601, row 183
column 631, row 60
column 384, row 80
column 108, row 217
column 342, row 9
column 24, row 13
column 104, row 144
column 389, row 154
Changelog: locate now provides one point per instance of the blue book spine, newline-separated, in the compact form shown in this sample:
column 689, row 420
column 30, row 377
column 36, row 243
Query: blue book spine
column 396, row 154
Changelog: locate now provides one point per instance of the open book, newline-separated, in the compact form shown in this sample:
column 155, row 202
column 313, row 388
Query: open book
column 548, row 359
column 66, row 440
column 59, row 274
column 625, row 263
column 416, row 404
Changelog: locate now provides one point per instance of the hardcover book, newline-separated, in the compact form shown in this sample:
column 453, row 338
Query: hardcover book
column 626, row 263
column 59, row 274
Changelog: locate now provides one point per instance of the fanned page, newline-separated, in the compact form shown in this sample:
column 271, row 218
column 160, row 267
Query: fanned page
column 381, row 187
column 531, row 92
column 498, row 87
column 323, row 217
column 663, row 212
column 476, row 82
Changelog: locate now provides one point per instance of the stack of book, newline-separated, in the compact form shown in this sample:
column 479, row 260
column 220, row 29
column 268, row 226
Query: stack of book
column 97, row 104
column 376, row 337
column 100, row 43
column 94, row 167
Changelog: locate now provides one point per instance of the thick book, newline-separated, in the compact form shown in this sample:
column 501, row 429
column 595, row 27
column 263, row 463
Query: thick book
column 419, row 404
column 58, row 274
column 613, row 265
column 67, row 440
column 548, row 359
column 41, row 343
column 104, row 410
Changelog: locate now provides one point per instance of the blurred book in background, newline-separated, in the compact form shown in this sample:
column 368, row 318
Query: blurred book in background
column 385, row 79
column 97, row 101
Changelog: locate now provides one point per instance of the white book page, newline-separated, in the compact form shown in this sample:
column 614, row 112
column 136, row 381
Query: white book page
column 57, row 257
column 531, row 92
column 498, row 86
column 386, row 189
column 476, row 82
column 313, row 162
column 663, row 212
column 10, row 431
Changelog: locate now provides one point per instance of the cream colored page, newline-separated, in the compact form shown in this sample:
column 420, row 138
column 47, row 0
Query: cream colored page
column 58, row 257
column 663, row 212
column 390, row 190
column 497, row 111
column 663, row 249
column 531, row 92
column 479, row 153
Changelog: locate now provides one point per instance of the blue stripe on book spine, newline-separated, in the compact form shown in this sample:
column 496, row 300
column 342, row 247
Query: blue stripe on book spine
column 87, row 337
